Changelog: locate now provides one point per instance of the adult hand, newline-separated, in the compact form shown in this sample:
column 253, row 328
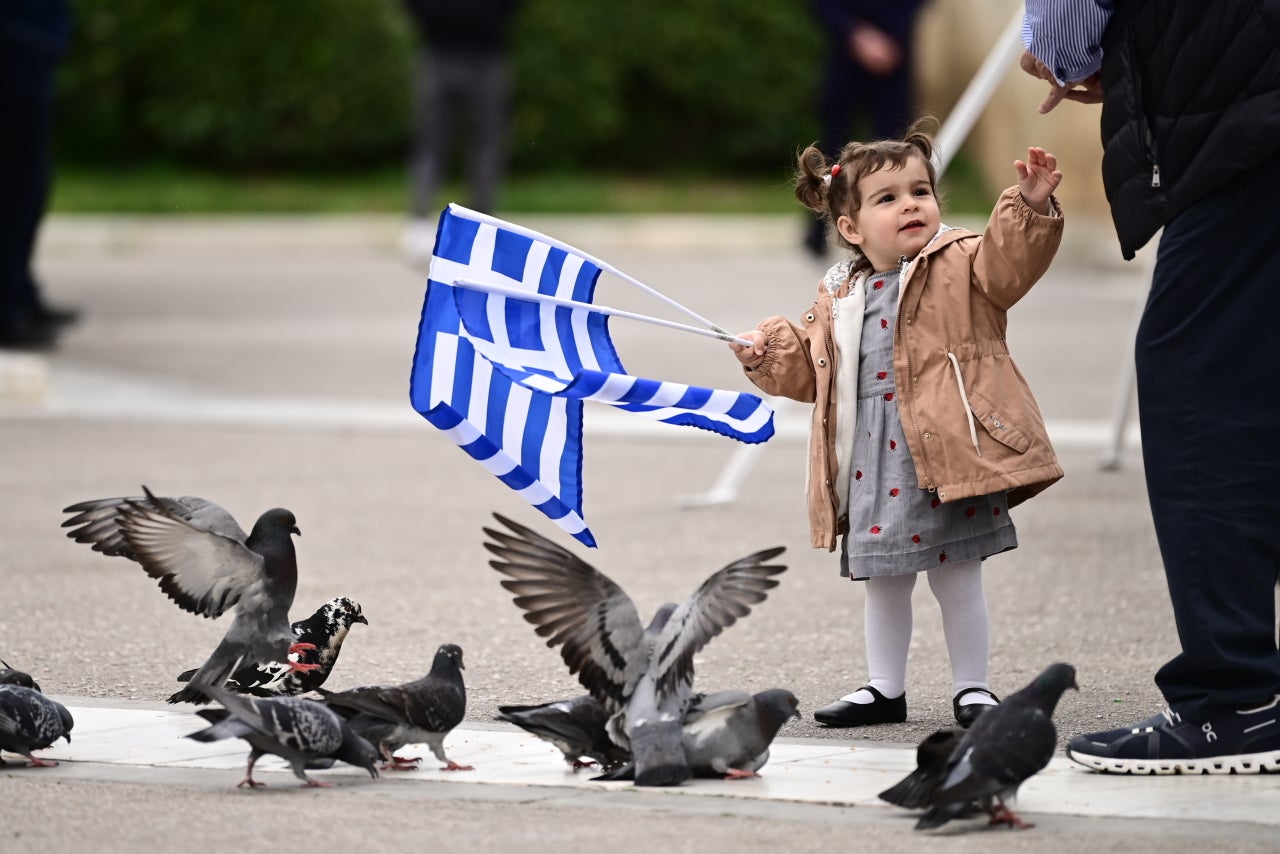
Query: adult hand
column 1087, row 91
column 746, row 354
column 874, row 49
column 1038, row 177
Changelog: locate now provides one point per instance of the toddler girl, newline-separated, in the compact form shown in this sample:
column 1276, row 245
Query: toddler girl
column 924, row 432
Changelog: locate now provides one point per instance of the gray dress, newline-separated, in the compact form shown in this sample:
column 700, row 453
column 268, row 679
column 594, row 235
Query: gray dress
column 895, row 527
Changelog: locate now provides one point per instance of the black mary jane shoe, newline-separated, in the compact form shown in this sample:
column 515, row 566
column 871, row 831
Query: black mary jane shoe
column 968, row 713
column 842, row 713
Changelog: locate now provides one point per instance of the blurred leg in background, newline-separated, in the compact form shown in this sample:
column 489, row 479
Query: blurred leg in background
column 33, row 35
column 462, row 94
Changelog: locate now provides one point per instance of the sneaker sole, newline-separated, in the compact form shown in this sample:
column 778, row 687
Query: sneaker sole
column 1244, row 763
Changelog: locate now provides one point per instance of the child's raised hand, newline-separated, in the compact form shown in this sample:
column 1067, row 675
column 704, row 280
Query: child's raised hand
column 746, row 354
column 1038, row 177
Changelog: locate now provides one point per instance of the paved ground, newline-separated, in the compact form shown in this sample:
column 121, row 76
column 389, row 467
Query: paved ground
column 265, row 363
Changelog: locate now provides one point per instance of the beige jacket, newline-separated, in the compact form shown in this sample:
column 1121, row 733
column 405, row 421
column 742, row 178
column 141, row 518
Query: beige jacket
column 972, row 424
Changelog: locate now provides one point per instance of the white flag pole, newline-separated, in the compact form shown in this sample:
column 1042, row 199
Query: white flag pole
column 603, row 265
column 516, row 293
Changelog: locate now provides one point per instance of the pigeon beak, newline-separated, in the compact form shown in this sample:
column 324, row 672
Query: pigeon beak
column 359, row 618
column 294, row 530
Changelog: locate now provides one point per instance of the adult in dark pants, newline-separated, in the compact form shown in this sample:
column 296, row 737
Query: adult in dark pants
column 1191, row 134
column 867, row 73
column 463, row 61
column 33, row 35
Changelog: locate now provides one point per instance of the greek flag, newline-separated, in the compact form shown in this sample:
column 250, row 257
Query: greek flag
column 510, row 346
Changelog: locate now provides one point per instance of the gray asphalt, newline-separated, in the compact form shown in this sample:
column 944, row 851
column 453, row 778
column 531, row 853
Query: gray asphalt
column 265, row 363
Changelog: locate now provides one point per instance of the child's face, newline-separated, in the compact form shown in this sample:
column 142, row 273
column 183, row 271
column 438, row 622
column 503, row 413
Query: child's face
column 899, row 214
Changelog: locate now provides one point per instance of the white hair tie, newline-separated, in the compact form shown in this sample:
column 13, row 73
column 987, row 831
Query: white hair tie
column 826, row 179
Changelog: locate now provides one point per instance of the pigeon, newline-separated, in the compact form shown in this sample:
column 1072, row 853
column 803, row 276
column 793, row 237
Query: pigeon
column 326, row 629
column 31, row 721
column 303, row 732
column 426, row 710
column 206, row 564
column 9, row 676
column 643, row 677
column 913, row 790
column 1006, row 746
column 575, row 726
column 727, row 734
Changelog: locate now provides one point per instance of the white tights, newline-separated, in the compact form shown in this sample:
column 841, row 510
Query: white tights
column 958, row 589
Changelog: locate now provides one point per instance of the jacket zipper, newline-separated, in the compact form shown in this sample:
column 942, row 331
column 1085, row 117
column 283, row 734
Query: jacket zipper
column 915, row 426
column 833, row 494
column 1148, row 138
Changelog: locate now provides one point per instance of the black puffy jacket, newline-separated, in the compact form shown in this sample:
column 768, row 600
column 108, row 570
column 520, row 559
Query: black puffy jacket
column 1192, row 100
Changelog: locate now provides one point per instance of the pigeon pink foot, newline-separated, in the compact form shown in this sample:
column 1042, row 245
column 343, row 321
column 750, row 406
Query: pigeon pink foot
column 739, row 774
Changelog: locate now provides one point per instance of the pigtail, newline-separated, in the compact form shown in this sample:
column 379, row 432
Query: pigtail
column 811, row 186
column 920, row 136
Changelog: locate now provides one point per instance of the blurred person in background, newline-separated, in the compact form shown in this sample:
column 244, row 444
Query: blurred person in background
column 867, row 75
column 33, row 36
column 463, row 60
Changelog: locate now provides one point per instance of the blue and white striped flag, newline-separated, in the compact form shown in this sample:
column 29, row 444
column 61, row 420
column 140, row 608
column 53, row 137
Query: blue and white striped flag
column 505, row 376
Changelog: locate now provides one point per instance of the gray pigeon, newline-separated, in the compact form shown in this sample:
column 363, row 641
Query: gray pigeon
column 727, row 734
column 302, row 732
column 426, row 710
column 9, row 676
column 1006, row 746
column 326, row 630
column 642, row 676
column 206, row 564
column 575, row 726
column 31, row 721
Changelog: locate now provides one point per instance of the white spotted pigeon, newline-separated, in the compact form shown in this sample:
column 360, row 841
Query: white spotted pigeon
column 31, row 721
column 642, row 676
column 326, row 630
column 206, row 563
column 303, row 732
column 1006, row 746
column 576, row 726
column 425, row 710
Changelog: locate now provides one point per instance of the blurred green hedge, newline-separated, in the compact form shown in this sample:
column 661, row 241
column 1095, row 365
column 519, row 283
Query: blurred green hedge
column 658, row 86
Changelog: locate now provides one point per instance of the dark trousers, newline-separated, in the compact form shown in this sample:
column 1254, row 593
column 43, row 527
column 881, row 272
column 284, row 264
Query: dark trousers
column 446, row 84
column 1208, row 357
column 26, row 114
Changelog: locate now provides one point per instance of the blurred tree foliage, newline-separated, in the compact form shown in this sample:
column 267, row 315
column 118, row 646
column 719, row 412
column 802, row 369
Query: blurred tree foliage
column 715, row 86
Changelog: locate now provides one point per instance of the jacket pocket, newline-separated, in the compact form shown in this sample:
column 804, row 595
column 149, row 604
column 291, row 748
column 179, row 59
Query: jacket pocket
column 997, row 425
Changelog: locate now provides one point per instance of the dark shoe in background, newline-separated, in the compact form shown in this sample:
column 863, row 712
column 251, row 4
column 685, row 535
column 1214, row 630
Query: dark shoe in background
column 815, row 238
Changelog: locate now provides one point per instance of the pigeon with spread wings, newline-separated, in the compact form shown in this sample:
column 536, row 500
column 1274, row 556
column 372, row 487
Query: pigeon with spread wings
column 205, row 562
column 642, row 676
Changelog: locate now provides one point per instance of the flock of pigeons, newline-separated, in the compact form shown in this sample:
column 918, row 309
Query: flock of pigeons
column 640, row 719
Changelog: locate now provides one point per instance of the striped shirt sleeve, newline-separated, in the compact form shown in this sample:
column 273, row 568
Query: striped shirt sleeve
column 1066, row 35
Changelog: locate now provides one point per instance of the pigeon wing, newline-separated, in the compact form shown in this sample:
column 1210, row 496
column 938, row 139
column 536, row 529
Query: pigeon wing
column 573, row 606
column 98, row 521
column 717, row 604
column 202, row 571
column 1021, row 749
